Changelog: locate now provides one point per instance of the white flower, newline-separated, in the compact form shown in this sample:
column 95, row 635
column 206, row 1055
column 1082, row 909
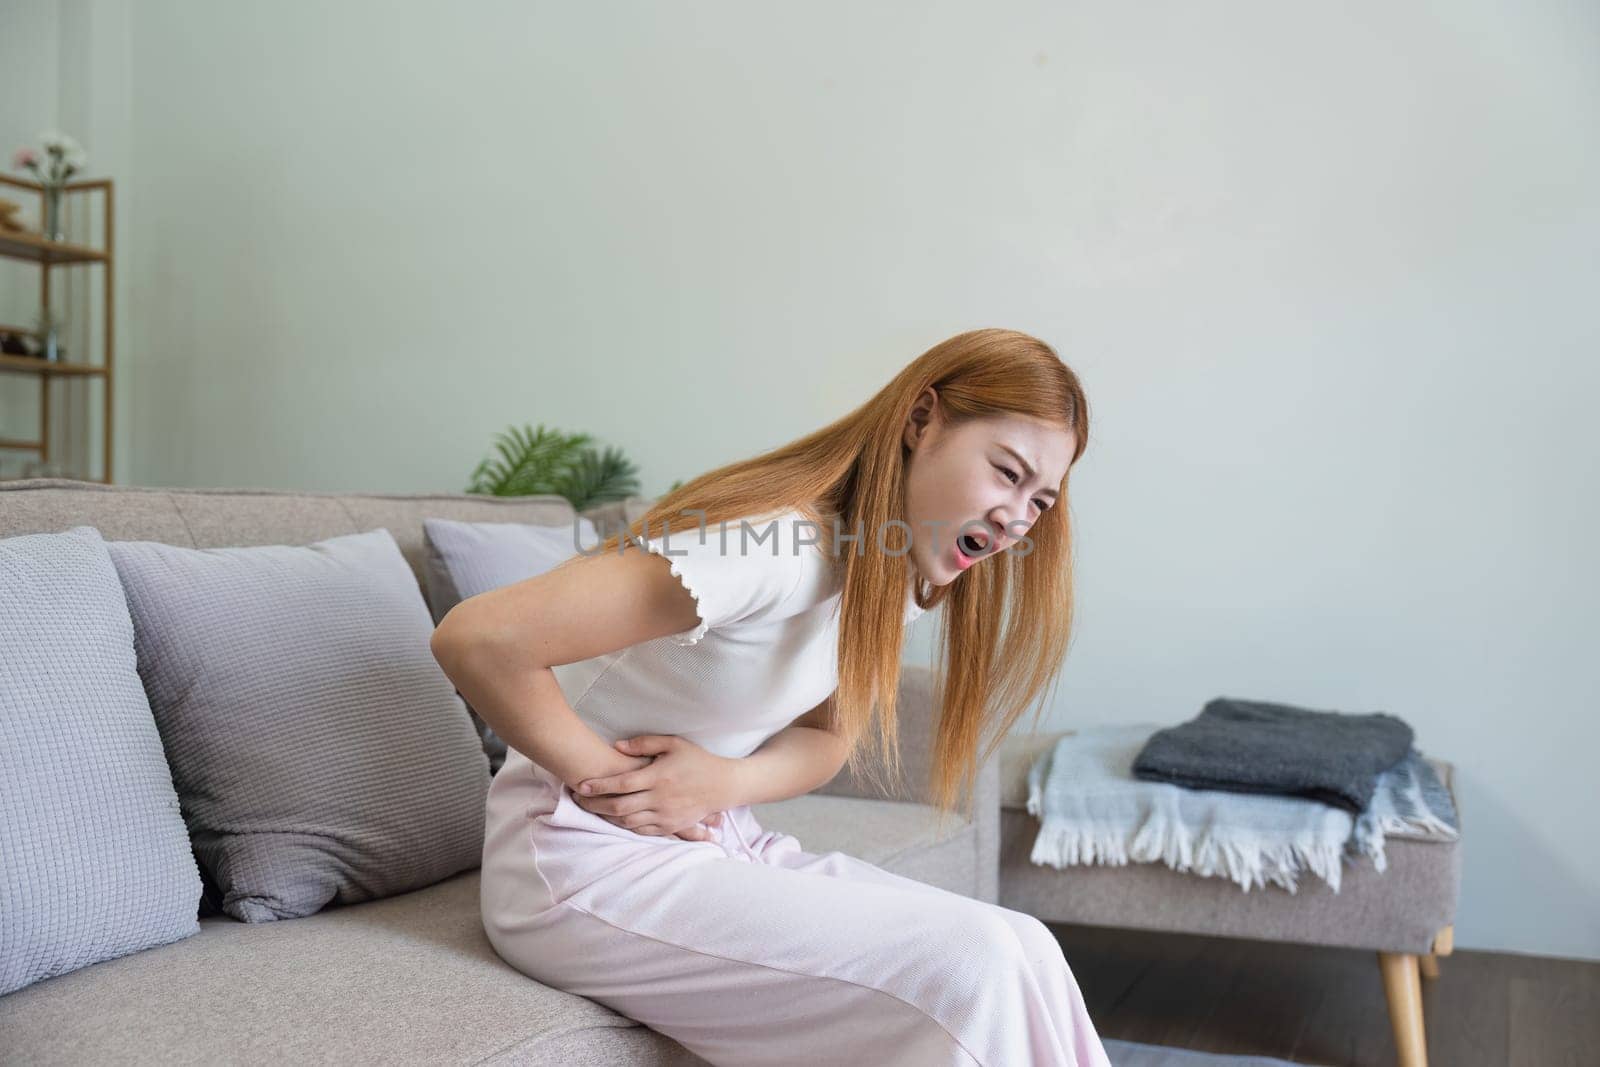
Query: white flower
column 58, row 143
column 76, row 159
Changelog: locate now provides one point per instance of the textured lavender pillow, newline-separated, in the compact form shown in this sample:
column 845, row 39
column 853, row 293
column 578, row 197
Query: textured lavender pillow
column 321, row 753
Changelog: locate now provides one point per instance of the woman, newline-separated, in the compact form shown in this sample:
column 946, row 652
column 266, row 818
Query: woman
column 744, row 670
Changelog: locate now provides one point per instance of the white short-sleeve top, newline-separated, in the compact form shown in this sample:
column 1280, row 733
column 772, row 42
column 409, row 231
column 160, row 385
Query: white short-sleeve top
column 763, row 653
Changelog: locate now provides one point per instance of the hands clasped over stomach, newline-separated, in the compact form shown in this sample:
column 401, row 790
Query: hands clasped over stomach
column 675, row 788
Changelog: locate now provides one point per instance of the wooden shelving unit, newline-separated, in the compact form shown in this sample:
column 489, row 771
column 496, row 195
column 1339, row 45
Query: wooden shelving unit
column 49, row 255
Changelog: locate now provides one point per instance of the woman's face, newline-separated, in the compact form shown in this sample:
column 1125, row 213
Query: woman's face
column 990, row 479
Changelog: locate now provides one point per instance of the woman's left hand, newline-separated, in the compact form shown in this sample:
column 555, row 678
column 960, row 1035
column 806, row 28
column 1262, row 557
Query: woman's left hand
column 680, row 787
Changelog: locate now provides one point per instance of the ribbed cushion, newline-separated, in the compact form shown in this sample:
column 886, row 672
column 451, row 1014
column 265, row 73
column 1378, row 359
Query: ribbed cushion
column 95, row 861
column 321, row 753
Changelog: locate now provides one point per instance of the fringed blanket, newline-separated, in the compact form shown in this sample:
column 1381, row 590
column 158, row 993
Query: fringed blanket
column 1093, row 809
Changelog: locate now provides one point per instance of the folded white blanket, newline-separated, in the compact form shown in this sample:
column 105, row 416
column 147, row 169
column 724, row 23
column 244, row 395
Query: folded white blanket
column 1093, row 809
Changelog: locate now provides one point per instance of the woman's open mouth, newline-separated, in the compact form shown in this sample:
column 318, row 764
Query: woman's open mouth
column 969, row 547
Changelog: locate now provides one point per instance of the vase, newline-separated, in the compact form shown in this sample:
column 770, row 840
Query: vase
column 52, row 347
column 52, row 214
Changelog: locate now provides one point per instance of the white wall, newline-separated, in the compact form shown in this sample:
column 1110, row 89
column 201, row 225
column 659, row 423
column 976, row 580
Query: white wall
column 1328, row 276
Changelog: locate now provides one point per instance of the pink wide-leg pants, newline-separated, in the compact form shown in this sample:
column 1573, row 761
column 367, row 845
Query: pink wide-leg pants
column 749, row 950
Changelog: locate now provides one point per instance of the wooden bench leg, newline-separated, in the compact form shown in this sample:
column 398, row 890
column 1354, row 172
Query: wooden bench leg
column 1403, row 987
column 1443, row 945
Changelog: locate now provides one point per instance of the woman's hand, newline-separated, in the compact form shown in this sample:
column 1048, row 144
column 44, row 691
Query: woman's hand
column 676, row 787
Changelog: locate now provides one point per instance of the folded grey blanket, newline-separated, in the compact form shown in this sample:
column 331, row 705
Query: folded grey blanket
column 1253, row 746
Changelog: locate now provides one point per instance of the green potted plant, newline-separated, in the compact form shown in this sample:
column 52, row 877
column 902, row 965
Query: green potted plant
column 541, row 460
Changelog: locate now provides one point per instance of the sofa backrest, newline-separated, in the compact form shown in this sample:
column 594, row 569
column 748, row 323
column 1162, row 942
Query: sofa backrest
column 222, row 518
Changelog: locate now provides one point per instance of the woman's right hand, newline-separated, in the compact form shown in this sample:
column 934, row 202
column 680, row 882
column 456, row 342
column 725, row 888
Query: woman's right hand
column 701, row 831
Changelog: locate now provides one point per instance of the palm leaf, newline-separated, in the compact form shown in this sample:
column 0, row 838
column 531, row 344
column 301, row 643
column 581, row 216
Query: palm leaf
column 551, row 462
column 594, row 478
column 530, row 461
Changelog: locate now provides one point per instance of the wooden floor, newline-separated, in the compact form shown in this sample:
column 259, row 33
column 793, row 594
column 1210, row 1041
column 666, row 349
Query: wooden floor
column 1326, row 1006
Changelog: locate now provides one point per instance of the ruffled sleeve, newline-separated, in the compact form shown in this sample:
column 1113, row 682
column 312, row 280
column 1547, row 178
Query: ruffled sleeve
column 737, row 571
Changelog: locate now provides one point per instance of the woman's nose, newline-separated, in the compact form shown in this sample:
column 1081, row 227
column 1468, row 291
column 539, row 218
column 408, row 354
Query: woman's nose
column 1007, row 526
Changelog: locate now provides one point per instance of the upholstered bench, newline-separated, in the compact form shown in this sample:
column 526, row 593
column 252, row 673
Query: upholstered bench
column 1404, row 914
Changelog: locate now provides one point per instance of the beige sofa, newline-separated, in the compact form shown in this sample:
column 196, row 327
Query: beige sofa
column 412, row 978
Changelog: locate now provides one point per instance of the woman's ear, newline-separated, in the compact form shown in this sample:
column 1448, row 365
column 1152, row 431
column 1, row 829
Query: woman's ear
column 923, row 413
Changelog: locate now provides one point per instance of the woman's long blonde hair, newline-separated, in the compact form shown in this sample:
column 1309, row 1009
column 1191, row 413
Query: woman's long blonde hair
column 1009, row 619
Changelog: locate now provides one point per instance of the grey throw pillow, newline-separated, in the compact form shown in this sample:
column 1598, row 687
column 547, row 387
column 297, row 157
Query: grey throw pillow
column 321, row 754
column 95, row 861
column 467, row 558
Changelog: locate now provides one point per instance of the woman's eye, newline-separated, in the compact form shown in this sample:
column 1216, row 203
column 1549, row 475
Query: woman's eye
column 1011, row 476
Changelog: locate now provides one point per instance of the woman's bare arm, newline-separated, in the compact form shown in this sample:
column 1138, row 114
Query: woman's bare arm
column 498, row 648
column 807, row 753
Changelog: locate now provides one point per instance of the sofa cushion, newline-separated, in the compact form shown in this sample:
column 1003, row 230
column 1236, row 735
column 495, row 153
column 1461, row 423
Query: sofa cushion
column 902, row 837
column 371, row 982
column 468, row 558
column 95, row 860
column 407, row 979
column 320, row 752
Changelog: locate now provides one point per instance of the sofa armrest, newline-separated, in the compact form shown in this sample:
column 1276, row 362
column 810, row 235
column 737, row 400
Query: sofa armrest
column 917, row 726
